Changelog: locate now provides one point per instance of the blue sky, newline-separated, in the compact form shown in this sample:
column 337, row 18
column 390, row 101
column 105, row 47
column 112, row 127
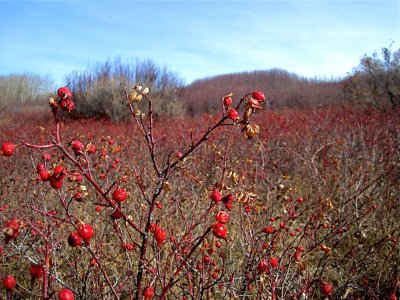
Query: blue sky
column 196, row 39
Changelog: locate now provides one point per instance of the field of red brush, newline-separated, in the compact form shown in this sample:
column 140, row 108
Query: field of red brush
column 308, row 208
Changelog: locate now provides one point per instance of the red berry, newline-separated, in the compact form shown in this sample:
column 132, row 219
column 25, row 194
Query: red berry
column 116, row 214
column 228, row 198
column 86, row 232
column 56, row 182
column 65, row 294
column 233, row 114
column 222, row 217
column 268, row 230
column 297, row 256
column 40, row 167
column 326, row 288
column 153, row 227
column 9, row 282
column 274, row 262
column 300, row 200
column 36, row 271
column 262, row 266
column 74, row 239
column 229, row 205
column 77, row 147
column 160, row 235
column 258, row 95
column 44, row 175
column 78, row 196
column 227, row 101
column 46, row 156
column 64, row 93
column 206, row 259
column 119, row 195
column 216, row 196
column 219, row 230
column 91, row 148
column 59, row 171
column 11, row 230
column 148, row 293
column 7, row 149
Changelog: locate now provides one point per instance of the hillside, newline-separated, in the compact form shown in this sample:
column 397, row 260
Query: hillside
column 282, row 88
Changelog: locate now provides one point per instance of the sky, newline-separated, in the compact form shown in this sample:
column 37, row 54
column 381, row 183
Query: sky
column 195, row 39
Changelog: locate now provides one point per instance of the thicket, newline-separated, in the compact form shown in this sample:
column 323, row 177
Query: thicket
column 284, row 90
column 23, row 88
column 98, row 90
column 376, row 80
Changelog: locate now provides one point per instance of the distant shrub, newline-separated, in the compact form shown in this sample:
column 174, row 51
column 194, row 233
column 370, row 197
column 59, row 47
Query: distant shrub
column 376, row 81
column 22, row 88
column 98, row 89
column 284, row 89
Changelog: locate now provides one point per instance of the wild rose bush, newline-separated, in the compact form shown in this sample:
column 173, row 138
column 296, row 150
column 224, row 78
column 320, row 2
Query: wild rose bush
column 245, row 204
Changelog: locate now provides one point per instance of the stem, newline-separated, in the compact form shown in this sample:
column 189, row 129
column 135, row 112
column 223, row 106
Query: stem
column 46, row 268
column 179, row 269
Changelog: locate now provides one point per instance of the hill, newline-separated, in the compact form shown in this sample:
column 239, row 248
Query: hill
column 282, row 88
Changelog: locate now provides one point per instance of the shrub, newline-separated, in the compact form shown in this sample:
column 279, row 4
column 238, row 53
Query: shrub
column 98, row 90
column 19, row 91
column 186, row 209
column 376, row 80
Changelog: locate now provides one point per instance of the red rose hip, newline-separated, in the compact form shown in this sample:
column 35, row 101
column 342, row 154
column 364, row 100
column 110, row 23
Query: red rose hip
column 258, row 95
column 160, row 236
column 7, row 149
column 227, row 101
column 9, row 282
column 233, row 114
column 77, row 147
column 222, row 217
column 86, row 232
column 36, row 271
column 219, row 230
column 148, row 293
column 119, row 195
column 216, row 195
column 74, row 240
column 326, row 288
column 65, row 294
column 64, row 93
column 262, row 266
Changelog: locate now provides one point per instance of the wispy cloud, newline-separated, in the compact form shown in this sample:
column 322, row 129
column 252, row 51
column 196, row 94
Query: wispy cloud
column 195, row 38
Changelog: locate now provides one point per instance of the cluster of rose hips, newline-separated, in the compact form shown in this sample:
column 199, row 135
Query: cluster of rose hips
column 253, row 102
column 55, row 176
column 217, row 197
column 85, row 233
column 265, row 265
column 12, row 230
column 36, row 271
column 160, row 234
column 219, row 228
column 64, row 100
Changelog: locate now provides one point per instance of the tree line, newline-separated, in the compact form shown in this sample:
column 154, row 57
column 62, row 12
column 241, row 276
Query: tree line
column 98, row 90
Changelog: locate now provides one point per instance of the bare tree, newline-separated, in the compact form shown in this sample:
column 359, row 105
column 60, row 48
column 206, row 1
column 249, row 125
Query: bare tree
column 98, row 90
column 22, row 88
column 377, row 79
